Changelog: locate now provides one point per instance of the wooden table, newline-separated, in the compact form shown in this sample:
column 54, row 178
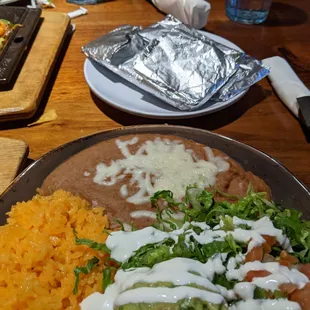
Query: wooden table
column 259, row 119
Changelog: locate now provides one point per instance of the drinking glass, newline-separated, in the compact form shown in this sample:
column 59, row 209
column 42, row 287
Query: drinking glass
column 248, row 11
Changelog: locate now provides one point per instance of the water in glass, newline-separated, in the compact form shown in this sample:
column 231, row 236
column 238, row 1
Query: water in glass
column 248, row 11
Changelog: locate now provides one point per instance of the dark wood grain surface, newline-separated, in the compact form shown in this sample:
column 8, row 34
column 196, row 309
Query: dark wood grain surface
column 258, row 119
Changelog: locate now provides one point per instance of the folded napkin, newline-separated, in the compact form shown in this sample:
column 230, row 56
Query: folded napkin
column 286, row 83
column 191, row 12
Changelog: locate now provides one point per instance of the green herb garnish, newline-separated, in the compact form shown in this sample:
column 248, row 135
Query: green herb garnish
column 90, row 243
column 85, row 270
column 107, row 277
column 120, row 223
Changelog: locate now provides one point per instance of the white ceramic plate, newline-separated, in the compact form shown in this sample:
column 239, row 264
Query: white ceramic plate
column 125, row 96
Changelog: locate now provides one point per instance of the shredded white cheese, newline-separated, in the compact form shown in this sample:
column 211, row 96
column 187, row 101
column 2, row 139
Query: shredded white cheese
column 158, row 165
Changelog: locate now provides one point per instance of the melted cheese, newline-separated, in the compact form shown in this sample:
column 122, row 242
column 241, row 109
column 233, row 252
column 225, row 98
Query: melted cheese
column 158, row 165
column 124, row 191
column 143, row 213
column 219, row 161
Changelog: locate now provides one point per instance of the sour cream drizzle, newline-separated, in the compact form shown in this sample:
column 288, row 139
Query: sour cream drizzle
column 166, row 295
column 152, row 215
column 178, row 271
column 183, row 271
column 279, row 275
column 268, row 304
column 124, row 244
column 156, row 166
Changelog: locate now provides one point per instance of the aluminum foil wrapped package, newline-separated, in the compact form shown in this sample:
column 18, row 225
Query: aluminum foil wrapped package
column 160, row 29
column 182, row 80
column 176, row 63
column 116, row 47
column 250, row 72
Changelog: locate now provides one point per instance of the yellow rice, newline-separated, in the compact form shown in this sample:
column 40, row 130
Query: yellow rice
column 38, row 253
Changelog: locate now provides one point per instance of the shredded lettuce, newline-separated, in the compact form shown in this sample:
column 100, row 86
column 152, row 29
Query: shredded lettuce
column 5, row 22
column 260, row 293
column 151, row 254
column 221, row 279
column 228, row 224
column 164, row 215
column 200, row 206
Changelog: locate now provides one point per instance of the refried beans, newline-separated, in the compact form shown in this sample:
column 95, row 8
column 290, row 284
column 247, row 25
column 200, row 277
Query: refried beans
column 77, row 173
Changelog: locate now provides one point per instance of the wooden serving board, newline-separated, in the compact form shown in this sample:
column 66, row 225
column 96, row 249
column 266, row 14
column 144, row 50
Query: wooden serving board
column 12, row 156
column 22, row 100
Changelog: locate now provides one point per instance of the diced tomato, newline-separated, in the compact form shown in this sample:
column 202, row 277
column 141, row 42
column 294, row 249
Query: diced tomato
column 270, row 240
column 302, row 297
column 305, row 269
column 256, row 274
column 288, row 288
column 255, row 254
column 266, row 247
column 284, row 263
column 113, row 263
column 289, row 258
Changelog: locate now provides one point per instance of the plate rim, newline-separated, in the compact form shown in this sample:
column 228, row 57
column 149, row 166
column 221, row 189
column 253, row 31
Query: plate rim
column 159, row 126
column 167, row 114
column 7, row 2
